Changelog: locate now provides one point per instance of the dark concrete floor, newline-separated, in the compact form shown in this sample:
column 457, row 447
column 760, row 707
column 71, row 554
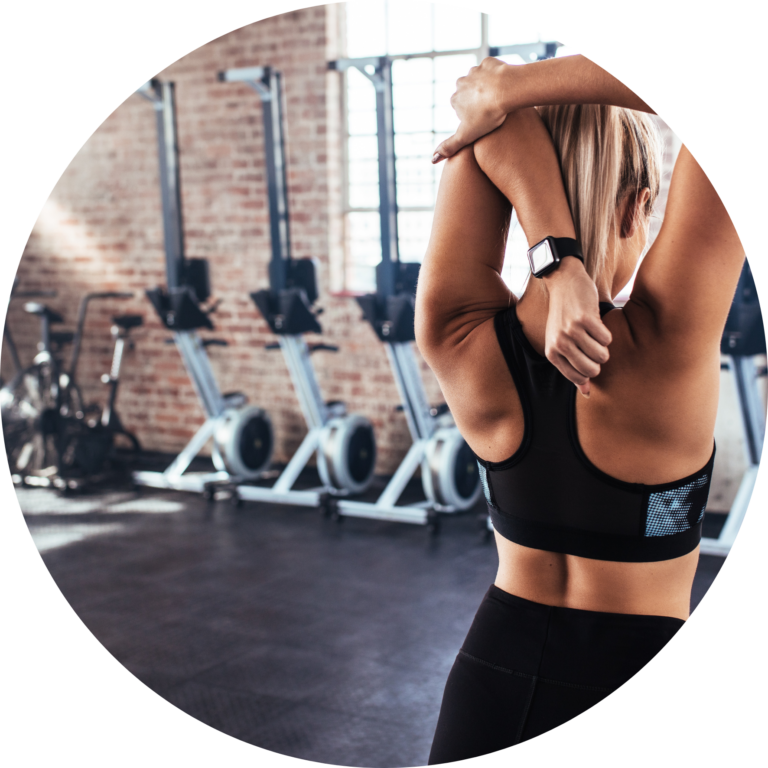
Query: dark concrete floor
column 324, row 641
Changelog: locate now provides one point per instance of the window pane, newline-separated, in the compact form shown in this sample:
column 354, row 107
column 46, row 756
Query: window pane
column 409, row 27
column 361, row 278
column 413, row 120
column 414, row 144
column 456, row 28
column 413, row 229
column 515, row 270
column 364, row 226
column 444, row 91
column 445, row 118
column 362, row 148
column 509, row 28
column 416, row 182
column 448, row 69
column 366, row 29
column 358, row 81
column 364, row 196
column 361, row 123
column 411, row 171
column 406, row 72
column 364, row 173
column 409, row 94
column 363, row 249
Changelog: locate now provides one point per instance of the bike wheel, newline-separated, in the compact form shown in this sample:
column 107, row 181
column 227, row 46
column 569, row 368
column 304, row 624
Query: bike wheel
column 29, row 410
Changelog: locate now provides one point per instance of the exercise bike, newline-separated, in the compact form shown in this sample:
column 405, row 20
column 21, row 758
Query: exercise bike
column 8, row 339
column 52, row 437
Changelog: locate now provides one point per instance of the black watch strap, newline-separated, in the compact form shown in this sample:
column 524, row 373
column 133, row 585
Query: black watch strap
column 567, row 246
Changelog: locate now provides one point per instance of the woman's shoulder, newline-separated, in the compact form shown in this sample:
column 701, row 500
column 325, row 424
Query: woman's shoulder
column 684, row 286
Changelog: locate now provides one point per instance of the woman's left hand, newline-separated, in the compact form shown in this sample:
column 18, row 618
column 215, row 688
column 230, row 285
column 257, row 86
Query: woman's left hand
column 479, row 104
column 576, row 339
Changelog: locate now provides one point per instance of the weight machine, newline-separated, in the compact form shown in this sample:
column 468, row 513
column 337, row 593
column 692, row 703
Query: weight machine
column 449, row 474
column 743, row 338
column 242, row 434
column 343, row 444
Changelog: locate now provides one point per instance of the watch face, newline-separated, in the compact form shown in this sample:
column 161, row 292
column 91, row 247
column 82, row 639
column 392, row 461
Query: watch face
column 541, row 256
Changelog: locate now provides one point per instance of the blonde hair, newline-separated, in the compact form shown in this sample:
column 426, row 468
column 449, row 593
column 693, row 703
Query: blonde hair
column 606, row 153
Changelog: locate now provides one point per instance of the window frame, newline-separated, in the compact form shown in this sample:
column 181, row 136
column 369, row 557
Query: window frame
column 347, row 263
column 481, row 52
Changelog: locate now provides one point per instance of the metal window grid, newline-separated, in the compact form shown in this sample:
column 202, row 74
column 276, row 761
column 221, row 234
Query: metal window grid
column 354, row 262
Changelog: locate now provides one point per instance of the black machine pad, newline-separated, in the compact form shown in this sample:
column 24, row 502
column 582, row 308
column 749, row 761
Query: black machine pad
column 744, row 333
column 287, row 312
column 178, row 309
column 128, row 321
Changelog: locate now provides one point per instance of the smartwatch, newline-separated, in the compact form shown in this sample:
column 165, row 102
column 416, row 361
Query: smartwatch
column 545, row 257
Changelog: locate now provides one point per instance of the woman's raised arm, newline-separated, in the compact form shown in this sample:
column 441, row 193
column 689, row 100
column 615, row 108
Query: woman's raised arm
column 460, row 285
column 492, row 90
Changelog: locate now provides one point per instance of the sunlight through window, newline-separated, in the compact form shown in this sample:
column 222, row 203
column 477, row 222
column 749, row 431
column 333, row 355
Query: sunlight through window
column 431, row 50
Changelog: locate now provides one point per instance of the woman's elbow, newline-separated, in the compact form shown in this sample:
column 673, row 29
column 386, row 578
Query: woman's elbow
column 427, row 324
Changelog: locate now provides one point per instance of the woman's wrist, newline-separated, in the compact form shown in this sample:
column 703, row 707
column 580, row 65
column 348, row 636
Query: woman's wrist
column 568, row 268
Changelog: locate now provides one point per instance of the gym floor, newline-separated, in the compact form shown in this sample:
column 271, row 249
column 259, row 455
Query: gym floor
column 321, row 640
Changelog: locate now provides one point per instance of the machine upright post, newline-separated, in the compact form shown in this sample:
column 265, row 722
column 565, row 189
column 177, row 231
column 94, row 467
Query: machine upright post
column 385, row 130
column 170, row 182
column 277, row 183
column 390, row 312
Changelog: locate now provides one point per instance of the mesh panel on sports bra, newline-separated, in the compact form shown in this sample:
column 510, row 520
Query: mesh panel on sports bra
column 678, row 509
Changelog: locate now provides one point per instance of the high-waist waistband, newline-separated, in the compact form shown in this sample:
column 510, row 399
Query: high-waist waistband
column 568, row 645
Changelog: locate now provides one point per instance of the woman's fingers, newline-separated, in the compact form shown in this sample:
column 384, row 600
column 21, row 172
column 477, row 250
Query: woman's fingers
column 591, row 347
column 448, row 148
column 580, row 362
column 598, row 330
column 581, row 349
column 579, row 379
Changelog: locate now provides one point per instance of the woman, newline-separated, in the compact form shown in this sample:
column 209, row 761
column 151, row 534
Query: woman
column 597, row 500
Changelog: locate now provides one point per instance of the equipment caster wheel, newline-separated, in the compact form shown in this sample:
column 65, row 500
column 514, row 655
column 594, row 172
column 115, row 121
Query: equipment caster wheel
column 433, row 524
column 236, row 500
column 329, row 508
column 209, row 493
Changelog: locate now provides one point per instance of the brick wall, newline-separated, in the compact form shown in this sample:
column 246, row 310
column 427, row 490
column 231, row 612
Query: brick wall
column 101, row 229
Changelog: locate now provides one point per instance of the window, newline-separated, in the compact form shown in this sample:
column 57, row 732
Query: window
column 431, row 50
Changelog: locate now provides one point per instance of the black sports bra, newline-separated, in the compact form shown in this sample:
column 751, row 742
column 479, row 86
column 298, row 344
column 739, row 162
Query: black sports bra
column 549, row 496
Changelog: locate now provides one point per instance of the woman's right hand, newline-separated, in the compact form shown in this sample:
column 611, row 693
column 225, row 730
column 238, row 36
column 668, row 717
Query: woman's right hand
column 479, row 103
column 576, row 339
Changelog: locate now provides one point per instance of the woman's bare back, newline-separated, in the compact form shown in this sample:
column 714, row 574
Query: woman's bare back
column 650, row 417
column 638, row 426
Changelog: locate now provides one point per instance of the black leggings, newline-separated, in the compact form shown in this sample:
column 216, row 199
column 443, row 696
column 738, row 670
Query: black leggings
column 526, row 668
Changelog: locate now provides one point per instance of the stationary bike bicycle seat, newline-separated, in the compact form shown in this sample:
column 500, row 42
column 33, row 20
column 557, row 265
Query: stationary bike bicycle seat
column 34, row 308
